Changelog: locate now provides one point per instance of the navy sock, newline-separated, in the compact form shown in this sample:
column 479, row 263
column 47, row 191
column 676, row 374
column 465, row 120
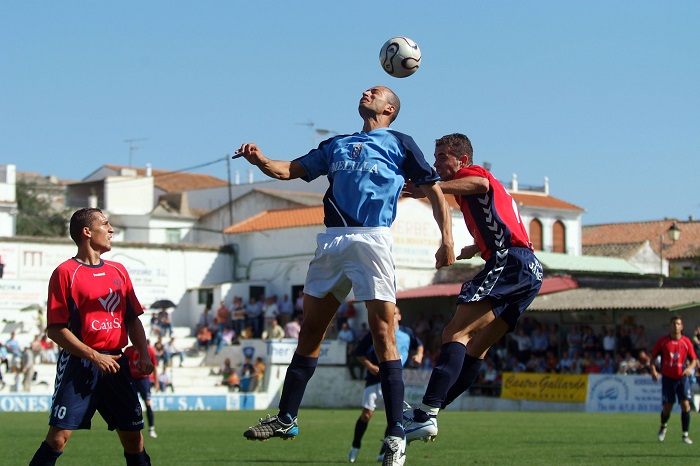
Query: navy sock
column 685, row 421
column 664, row 419
column 300, row 370
column 447, row 370
column 470, row 371
column 45, row 456
column 137, row 459
column 391, row 374
column 360, row 428
column 149, row 415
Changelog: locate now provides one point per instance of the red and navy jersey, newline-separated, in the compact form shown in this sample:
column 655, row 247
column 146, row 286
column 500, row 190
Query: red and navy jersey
column 132, row 355
column 673, row 355
column 492, row 218
column 96, row 302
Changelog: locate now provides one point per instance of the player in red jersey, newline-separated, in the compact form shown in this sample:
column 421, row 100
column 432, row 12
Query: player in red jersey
column 675, row 349
column 490, row 304
column 144, row 382
column 92, row 312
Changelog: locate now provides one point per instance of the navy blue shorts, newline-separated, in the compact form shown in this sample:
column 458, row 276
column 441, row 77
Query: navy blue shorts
column 510, row 280
column 675, row 389
column 81, row 389
column 143, row 387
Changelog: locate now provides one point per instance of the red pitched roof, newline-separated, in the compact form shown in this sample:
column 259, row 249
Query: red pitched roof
column 279, row 218
column 530, row 200
column 638, row 232
column 549, row 285
column 172, row 182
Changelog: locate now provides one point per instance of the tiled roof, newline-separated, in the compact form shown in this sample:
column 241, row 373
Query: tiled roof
column 541, row 200
column 549, row 285
column 687, row 246
column 172, row 182
column 279, row 218
column 294, row 196
column 626, row 251
column 665, row 299
column 572, row 264
column 528, row 199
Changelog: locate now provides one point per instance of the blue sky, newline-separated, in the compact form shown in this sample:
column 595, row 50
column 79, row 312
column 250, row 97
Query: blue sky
column 601, row 97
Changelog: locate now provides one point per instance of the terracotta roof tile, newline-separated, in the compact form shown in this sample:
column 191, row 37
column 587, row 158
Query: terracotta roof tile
column 687, row 246
column 274, row 219
column 172, row 182
column 541, row 200
column 530, row 200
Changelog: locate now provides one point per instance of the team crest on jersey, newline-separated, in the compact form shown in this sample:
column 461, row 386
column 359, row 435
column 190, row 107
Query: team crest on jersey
column 111, row 301
column 356, row 150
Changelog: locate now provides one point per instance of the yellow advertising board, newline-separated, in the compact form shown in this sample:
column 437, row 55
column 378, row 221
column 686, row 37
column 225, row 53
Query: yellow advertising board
column 545, row 387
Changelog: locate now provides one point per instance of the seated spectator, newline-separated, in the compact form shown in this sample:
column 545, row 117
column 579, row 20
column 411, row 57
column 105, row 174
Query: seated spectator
column 273, row 331
column 225, row 339
column 166, row 328
column 171, row 350
column 291, row 330
column 247, row 333
column 490, row 379
column 247, row 371
column 608, row 366
column 258, row 375
column 204, row 338
column 225, row 371
column 48, row 350
column 346, row 334
column 233, row 382
column 165, row 381
column 159, row 348
column 155, row 328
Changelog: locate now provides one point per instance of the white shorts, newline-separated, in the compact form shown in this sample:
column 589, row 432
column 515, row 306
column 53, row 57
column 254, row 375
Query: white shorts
column 358, row 258
column 372, row 396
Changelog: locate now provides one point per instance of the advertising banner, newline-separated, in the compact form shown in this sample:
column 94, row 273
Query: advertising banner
column 613, row 393
column 545, row 387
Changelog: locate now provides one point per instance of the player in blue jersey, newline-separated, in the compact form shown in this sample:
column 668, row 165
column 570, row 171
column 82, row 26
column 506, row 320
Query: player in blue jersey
column 408, row 345
column 490, row 304
column 366, row 172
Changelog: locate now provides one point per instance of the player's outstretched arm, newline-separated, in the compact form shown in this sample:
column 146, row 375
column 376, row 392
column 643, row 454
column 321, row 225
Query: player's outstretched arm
column 445, row 255
column 278, row 169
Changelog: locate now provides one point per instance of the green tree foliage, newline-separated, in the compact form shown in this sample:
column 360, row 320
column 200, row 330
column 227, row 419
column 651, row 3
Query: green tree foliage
column 36, row 217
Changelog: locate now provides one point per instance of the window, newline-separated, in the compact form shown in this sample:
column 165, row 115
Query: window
column 172, row 235
column 559, row 237
column 536, row 235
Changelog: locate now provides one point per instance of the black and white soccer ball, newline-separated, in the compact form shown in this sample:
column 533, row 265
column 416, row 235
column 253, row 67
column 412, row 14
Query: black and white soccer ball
column 400, row 57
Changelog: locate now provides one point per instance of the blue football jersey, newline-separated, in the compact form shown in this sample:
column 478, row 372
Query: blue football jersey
column 366, row 172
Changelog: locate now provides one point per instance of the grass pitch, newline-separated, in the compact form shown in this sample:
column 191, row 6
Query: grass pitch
column 465, row 438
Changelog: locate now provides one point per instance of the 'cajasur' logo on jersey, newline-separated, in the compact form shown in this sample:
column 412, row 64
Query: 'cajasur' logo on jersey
column 107, row 325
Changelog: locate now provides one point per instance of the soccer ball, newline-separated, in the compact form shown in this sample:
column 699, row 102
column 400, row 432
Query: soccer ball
column 400, row 57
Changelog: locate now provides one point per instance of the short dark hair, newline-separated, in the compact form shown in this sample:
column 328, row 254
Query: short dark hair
column 80, row 219
column 394, row 100
column 458, row 144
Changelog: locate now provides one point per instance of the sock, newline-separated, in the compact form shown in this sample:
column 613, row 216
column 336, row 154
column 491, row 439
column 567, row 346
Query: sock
column 149, row 415
column 360, row 428
column 447, row 369
column 391, row 374
column 300, row 370
column 45, row 456
column 137, row 459
column 664, row 419
column 685, row 420
column 469, row 374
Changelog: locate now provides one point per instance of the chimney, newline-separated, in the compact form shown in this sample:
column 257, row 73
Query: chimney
column 236, row 177
column 514, row 183
column 250, row 176
column 546, row 185
column 149, row 170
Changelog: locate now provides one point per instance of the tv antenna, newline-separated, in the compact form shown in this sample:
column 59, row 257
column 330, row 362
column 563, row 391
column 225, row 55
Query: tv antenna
column 133, row 147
